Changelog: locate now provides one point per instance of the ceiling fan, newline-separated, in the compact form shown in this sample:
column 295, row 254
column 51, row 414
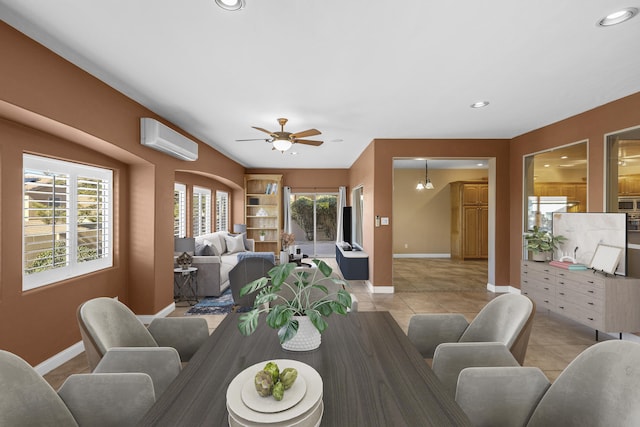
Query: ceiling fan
column 282, row 140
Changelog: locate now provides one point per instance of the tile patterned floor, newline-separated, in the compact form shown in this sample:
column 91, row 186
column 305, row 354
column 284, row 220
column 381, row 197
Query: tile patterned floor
column 438, row 286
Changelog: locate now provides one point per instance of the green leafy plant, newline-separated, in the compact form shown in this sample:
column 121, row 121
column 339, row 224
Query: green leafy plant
column 542, row 241
column 302, row 299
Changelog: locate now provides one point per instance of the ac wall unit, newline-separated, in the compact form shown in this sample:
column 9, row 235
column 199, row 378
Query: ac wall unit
column 154, row 134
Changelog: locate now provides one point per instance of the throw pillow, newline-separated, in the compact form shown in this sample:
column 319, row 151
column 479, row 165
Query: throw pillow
column 234, row 244
column 204, row 249
column 244, row 239
column 213, row 248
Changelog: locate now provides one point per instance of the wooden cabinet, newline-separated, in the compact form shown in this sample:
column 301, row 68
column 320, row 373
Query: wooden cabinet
column 263, row 210
column 573, row 191
column 604, row 303
column 469, row 220
column 629, row 185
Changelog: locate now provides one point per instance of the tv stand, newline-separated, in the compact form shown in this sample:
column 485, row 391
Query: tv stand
column 354, row 264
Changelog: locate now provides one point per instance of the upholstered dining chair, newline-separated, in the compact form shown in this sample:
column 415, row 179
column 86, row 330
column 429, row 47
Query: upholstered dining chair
column 106, row 323
column 96, row 400
column 497, row 336
column 246, row 271
column 600, row 387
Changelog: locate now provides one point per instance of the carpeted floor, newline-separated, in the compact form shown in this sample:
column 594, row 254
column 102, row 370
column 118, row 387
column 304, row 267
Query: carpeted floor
column 213, row 305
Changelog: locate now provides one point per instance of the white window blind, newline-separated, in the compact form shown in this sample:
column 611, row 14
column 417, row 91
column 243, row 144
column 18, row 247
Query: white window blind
column 222, row 211
column 67, row 221
column 179, row 210
column 201, row 211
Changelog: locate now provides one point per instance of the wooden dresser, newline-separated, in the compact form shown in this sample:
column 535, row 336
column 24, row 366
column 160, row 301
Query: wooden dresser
column 610, row 304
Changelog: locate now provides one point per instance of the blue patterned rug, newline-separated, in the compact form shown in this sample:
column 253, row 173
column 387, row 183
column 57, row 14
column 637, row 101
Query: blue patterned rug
column 214, row 305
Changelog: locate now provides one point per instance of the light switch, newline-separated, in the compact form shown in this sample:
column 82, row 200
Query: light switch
column 385, row 220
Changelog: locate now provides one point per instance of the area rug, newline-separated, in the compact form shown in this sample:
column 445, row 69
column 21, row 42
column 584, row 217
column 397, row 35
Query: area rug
column 213, row 305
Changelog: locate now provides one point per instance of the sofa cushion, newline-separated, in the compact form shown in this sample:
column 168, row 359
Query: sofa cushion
column 247, row 245
column 266, row 255
column 204, row 248
column 235, row 244
column 217, row 241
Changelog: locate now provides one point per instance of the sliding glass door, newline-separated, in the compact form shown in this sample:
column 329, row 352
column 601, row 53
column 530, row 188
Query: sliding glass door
column 314, row 218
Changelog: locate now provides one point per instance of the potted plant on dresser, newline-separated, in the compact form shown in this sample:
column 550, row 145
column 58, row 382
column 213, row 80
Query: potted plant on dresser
column 297, row 302
column 542, row 243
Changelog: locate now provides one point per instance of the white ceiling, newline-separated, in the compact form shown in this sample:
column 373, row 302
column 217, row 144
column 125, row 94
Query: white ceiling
column 355, row 70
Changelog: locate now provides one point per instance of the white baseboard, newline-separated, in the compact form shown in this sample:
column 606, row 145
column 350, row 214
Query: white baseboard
column 422, row 255
column 502, row 289
column 380, row 289
column 148, row 318
column 69, row 353
column 59, row 359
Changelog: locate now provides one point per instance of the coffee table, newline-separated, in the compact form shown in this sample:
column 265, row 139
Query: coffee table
column 372, row 376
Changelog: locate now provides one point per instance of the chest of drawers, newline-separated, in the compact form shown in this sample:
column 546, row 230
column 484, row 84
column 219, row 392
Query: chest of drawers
column 610, row 304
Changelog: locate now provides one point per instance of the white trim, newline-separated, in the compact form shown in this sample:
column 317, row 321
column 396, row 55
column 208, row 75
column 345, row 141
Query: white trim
column 502, row 289
column 379, row 289
column 443, row 255
column 59, row 359
column 148, row 318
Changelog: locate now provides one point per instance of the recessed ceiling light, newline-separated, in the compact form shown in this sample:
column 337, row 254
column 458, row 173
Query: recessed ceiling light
column 618, row 17
column 564, row 157
column 479, row 104
column 230, row 4
column 547, row 165
column 479, row 164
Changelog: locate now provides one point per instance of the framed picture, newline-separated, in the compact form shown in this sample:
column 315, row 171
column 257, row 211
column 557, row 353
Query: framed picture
column 606, row 258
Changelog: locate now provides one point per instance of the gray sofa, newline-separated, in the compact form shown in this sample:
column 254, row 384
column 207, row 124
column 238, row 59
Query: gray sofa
column 215, row 255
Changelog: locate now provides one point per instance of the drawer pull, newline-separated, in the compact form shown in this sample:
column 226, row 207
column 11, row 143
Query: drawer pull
column 562, row 307
column 546, row 270
column 546, row 278
column 561, row 293
column 590, row 303
column 546, row 289
column 590, row 318
column 590, row 281
column 547, row 301
column 591, row 292
column 562, row 283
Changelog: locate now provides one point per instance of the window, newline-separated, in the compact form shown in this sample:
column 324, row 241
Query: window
column 179, row 210
column 222, row 211
column 67, row 221
column 201, row 211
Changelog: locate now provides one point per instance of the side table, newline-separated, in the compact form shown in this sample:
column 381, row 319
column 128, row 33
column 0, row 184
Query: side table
column 185, row 285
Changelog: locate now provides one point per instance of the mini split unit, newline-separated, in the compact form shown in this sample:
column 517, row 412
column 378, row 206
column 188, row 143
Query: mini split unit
column 154, row 134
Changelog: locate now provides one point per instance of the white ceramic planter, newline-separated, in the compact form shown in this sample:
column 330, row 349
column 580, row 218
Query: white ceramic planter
column 307, row 338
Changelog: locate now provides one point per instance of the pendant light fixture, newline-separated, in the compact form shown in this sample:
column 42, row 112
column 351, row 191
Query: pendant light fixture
column 427, row 182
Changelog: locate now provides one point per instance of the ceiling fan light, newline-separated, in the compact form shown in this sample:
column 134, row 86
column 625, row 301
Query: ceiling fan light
column 281, row 144
column 230, row 4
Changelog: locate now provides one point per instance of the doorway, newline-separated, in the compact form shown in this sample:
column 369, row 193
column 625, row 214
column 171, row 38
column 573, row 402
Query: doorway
column 314, row 219
column 422, row 226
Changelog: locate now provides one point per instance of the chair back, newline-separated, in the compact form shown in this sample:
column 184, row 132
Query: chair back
column 106, row 323
column 598, row 388
column 246, row 271
column 506, row 319
column 26, row 399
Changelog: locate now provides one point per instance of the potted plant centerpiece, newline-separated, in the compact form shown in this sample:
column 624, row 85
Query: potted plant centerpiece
column 286, row 240
column 296, row 301
column 541, row 243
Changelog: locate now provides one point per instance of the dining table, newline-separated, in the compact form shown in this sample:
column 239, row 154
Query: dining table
column 372, row 375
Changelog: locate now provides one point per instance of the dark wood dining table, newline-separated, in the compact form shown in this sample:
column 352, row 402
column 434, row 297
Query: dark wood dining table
column 372, row 376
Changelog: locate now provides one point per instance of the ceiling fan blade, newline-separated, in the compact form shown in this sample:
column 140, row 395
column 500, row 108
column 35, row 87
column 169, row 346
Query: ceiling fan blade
column 305, row 133
column 255, row 139
column 307, row 142
column 263, row 130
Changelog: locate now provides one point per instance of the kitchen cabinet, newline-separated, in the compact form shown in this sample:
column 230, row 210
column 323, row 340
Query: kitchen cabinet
column 469, row 220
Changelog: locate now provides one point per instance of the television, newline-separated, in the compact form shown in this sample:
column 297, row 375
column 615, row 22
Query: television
column 346, row 225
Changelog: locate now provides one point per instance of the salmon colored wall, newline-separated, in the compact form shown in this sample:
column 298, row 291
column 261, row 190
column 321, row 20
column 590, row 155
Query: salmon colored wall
column 191, row 180
column 387, row 149
column 51, row 107
column 310, row 180
column 591, row 125
column 422, row 218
